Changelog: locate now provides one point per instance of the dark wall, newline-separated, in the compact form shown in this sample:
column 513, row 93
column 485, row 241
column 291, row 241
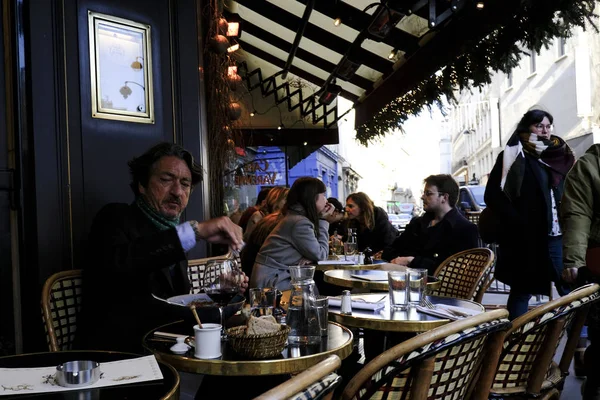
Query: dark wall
column 81, row 162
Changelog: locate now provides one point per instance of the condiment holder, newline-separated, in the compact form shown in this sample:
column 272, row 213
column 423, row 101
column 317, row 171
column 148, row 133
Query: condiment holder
column 74, row 374
column 180, row 347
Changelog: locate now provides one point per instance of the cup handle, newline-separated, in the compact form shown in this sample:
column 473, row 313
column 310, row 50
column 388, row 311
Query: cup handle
column 190, row 341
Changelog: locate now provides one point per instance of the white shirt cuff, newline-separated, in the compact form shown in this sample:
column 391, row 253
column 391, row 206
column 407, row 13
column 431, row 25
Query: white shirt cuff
column 187, row 236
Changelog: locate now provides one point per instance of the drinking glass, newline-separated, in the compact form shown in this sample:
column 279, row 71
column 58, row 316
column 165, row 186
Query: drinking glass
column 417, row 282
column 221, row 282
column 397, row 281
column 322, row 303
column 262, row 301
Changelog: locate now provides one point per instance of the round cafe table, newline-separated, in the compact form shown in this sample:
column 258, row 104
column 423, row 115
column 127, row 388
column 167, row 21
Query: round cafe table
column 387, row 320
column 344, row 278
column 165, row 389
column 293, row 359
column 329, row 267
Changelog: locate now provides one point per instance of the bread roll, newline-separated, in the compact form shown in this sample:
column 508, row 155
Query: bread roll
column 262, row 325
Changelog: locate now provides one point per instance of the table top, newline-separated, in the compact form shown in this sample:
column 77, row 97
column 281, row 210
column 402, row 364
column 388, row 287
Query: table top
column 410, row 320
column 344, row 278
column 168, row 388
column 293, row 359
column 330, row 267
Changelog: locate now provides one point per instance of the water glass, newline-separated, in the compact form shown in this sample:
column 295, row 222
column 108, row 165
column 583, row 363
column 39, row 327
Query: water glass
column 417, row 283
column 322, row 303
column 397, row 281
column 262, row 301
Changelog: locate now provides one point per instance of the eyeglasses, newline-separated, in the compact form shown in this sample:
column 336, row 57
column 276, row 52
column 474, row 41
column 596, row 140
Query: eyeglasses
column 541, row 127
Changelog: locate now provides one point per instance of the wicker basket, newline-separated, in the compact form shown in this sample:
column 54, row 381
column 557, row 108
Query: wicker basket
column 257, row 346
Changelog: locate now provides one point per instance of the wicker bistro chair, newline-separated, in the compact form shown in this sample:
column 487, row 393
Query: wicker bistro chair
column 317, row 382
column 196, row 271
column 465, row 275
column 61, row 304
column 443, row 363
column 526, row 369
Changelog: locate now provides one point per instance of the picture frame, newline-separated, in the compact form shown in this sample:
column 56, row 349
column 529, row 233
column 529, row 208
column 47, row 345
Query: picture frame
column 120, row 69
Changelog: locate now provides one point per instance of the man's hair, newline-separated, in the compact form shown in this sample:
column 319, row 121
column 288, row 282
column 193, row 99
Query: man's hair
column 141, row 167
column 262, row 195
column 304, row 192
column 366, row 219
column 336, row 204
column 445, row 184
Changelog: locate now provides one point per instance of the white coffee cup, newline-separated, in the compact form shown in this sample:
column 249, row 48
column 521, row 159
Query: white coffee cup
column 207, row 341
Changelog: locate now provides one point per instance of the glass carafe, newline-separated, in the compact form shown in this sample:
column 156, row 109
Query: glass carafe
column 351, row 245
column 302, row 316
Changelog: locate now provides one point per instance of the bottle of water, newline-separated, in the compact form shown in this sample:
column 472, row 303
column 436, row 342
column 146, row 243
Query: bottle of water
column 303, row 315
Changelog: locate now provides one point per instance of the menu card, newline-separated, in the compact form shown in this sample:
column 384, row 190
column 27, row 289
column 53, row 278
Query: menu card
column 41, row 380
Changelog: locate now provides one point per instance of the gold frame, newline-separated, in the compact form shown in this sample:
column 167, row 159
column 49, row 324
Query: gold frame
column 102, row 108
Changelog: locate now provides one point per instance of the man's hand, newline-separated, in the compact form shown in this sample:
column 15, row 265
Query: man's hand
column 220, row 230
column 335, row 216
column 569, row 275
column 402, row 260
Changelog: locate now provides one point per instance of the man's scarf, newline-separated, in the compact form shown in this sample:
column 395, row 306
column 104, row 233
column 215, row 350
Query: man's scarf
column 554, row 154
column 155, row 217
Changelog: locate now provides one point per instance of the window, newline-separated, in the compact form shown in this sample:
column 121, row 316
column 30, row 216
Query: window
column 560, row 46
column 532, row 60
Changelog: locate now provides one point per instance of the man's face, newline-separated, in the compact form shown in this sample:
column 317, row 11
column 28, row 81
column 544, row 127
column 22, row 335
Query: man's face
column 169, row 186
column 432, row 198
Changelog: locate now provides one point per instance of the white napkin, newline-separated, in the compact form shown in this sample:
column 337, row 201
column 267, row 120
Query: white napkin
column 361, row 302
column 442, row 310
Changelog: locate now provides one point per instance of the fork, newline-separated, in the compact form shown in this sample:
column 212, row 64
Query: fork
column 426, row 303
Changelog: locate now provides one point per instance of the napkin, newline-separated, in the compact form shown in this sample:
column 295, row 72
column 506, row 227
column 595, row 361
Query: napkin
column 335, row 262
column 359, row 302
column 442, row 310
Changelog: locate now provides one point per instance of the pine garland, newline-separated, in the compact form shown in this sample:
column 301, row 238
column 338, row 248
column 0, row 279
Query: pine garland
column 536, row 25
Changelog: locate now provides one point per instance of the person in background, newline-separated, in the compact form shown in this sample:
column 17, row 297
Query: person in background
column 580, row 218
column 523, row 192
column 441, row 232
column 260, row 202
column 373, row 228
column 300, row 237
column 274, row 202
column 335, row 219
column 139, row 250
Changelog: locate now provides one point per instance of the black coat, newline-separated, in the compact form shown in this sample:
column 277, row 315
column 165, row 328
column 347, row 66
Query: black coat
column 128, row 259
column 431, row 245
column 378, row 238
column 524, row 224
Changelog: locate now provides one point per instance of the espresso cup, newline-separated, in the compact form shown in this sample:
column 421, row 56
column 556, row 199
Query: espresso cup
column 207, row 341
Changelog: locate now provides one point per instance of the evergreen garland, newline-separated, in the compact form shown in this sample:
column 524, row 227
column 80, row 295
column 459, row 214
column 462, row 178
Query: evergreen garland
column 536, row 25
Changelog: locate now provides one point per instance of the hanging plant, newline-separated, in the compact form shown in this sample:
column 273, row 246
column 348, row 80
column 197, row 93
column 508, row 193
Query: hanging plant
column 535, row 26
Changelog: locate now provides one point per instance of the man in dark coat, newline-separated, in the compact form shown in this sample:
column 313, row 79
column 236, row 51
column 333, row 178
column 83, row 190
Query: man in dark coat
column 139, row 250
column 441, row 232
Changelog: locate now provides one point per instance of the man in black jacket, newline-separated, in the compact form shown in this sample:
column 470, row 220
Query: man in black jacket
column 139, row 249
column 441, row 232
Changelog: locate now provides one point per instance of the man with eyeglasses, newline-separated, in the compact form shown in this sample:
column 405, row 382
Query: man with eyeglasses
column 441, row 232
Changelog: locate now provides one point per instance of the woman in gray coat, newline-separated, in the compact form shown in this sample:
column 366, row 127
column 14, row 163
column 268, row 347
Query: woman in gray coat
column 300, row 237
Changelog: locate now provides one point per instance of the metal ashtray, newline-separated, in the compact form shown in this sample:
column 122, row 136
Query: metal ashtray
column 78, row 373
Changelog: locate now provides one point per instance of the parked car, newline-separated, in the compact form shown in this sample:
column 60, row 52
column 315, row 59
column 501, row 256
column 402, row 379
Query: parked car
column 399, row 221
column 470, row 198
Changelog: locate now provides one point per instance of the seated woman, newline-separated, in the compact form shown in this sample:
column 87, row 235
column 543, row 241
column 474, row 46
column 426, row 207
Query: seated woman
column 274, row 202
column 373, row 229
column 300, row 237
column 257, row 238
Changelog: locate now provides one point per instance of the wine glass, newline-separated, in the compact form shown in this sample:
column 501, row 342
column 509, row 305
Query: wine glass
column 221, row 282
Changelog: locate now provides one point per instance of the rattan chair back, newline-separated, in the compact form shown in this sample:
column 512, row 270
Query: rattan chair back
column 443, row 363
column 465, row 274
column 61, row 305
column 317, row 382
column 196, row 270
column 526, row 366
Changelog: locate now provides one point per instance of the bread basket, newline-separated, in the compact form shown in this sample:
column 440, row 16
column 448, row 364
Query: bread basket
column 257, row 346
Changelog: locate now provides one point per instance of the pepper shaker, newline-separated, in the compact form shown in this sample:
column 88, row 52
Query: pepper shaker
column 346, row 303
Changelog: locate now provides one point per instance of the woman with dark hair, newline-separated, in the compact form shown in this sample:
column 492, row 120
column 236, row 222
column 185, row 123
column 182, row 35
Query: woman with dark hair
column 301, row 236
column 523, row 192
column 373, row 229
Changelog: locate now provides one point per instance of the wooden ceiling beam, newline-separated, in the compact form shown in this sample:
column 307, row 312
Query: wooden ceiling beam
column 317, row 34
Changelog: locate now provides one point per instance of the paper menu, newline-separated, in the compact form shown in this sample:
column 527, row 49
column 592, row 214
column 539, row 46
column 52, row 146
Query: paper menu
column 14, row 381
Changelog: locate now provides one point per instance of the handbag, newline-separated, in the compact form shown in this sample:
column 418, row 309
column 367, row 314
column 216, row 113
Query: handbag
column 488, row 226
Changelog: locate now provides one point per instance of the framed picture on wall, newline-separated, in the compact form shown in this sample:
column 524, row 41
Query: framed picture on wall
column 120, row 69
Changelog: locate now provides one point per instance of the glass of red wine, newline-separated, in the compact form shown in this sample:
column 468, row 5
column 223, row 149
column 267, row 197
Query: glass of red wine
column 221, row 282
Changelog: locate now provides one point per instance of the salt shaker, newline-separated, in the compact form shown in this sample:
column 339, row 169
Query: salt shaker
column 180, row 347
column 346, row 303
